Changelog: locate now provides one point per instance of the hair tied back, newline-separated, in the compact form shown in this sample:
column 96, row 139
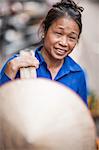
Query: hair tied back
column 69, row 4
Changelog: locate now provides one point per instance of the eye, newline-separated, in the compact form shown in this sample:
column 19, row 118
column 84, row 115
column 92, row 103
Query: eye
column 58, row 33
column 72, row 38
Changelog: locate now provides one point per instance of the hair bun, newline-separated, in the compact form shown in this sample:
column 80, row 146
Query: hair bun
column 72, row 4
column 68, row 4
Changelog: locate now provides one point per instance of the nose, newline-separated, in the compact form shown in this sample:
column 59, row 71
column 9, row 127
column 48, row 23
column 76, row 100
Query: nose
column 63, row 41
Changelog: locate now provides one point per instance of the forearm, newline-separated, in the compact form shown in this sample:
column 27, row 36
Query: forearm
column 4, row 75
column 11, row 70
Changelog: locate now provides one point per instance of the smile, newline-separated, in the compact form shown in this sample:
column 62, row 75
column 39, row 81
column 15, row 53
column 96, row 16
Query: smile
column 61, row 51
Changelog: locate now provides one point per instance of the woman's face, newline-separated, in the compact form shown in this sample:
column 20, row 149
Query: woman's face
column 61, row 37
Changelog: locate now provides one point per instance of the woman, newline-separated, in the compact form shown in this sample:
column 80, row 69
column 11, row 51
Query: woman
column 61, row 31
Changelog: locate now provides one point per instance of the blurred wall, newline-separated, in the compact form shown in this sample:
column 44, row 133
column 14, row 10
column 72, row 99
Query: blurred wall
column 87, row 51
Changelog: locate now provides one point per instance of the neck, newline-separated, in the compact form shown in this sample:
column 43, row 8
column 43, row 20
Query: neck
column 50, row 61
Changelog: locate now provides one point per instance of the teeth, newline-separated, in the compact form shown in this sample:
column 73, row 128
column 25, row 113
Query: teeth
column 61, row 51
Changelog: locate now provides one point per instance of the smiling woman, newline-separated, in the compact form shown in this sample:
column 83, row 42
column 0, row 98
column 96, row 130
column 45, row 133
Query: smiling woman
column 61, row 30
column 61, row 38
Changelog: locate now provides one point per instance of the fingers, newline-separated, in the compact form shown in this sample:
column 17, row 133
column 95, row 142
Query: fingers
column 28, row 59
column 32, row 52
column 35, row 59
column 29, row 72
column 24, row 60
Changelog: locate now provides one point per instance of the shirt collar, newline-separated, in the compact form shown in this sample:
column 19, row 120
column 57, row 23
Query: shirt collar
column 39, row 55
column 71, row 65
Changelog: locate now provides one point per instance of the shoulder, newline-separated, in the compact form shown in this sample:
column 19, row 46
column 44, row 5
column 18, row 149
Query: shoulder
column 8, row 60
column 73, row 65
column 81, row 73
column 38, row 49
column 13, row 56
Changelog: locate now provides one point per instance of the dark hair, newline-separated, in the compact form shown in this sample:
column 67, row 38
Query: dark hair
column 63, row 8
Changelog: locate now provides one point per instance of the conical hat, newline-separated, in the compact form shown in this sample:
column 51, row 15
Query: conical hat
column 41, row 114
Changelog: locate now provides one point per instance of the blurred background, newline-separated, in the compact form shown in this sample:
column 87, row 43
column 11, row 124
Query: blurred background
column 19, row 24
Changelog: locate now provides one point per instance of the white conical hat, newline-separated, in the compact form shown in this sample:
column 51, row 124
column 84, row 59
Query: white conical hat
column 42, row 114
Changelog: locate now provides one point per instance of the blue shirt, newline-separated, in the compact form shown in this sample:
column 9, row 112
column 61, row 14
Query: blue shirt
column 70, row 74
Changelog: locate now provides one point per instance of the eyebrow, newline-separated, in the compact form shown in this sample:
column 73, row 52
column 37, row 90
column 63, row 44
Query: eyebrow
column 74, row 33
column 62, row 28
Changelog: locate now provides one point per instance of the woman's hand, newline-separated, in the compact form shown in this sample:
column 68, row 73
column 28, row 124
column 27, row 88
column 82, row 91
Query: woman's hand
column 25, row 59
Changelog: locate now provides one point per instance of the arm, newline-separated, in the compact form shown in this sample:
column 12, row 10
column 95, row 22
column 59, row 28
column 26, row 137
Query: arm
column 13, row 65
column 3, row 76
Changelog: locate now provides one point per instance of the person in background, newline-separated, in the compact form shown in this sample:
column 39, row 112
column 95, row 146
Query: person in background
column 61, row 31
